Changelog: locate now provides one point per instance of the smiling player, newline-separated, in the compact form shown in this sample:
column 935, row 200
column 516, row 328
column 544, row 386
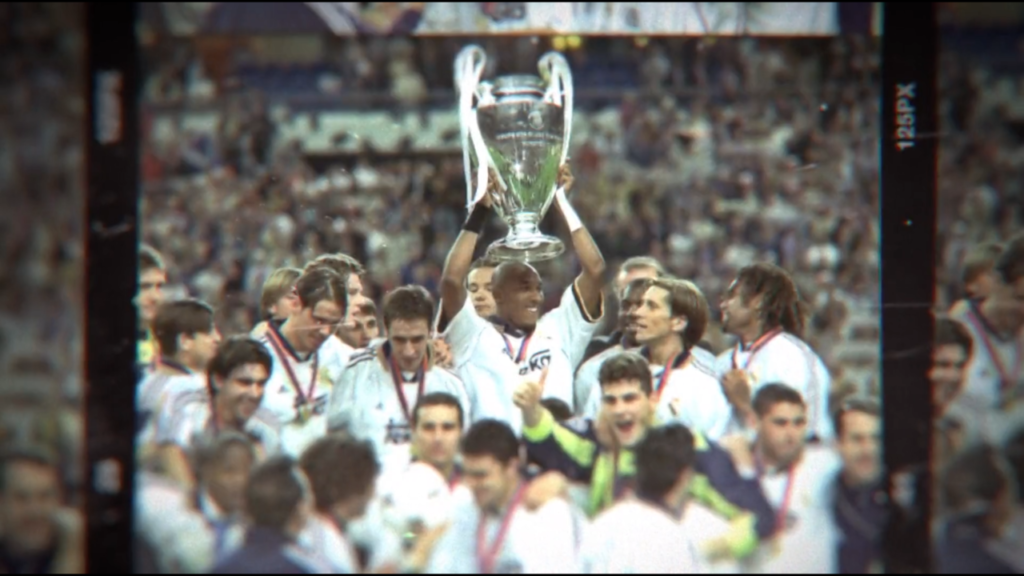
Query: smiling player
column 493, row 356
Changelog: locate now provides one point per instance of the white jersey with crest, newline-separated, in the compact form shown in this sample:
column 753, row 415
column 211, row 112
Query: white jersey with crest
column 809, row 539
column 366, row 404
column 540, row 542
column 188, row 420
column 637, row 537
column 786, row 359
column 991, row 355
column 692, row 397
column 282, row 399
column 490, row 372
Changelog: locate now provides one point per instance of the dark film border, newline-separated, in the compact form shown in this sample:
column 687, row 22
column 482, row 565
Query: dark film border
column 909, row 141
column 112, row 247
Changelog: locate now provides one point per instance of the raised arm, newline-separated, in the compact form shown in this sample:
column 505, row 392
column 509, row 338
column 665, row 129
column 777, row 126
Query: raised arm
column 589, row 281
column 456, row 266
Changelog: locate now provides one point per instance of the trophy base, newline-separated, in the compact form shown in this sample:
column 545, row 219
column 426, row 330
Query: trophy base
column 530, row 249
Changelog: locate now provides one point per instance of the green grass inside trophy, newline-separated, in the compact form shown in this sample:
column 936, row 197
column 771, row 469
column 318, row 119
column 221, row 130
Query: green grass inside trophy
column 519, row 124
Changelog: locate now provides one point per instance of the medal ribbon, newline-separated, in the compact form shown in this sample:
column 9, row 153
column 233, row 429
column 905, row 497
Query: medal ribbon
column 659, row 386
column 488, row 556
column 456, row 477
column 398, row 380
column 780, row 516
column 754, row 348
column 981, row 325
column 522, row 348
column 304, row 398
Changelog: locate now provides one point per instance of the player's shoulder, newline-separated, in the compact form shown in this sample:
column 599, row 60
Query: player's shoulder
column 189, row 399
column 704, row 366
column 791, row 344
column 445, row 376
column 822, row 459
column 362, row 357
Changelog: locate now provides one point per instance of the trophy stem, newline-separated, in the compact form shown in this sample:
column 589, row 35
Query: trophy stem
column 525, row 243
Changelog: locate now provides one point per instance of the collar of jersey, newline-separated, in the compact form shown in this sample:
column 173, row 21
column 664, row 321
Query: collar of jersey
column 509, row 329
column 276, row 328
column 680, row 359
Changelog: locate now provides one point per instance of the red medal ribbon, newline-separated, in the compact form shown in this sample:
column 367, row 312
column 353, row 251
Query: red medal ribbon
column 487, row 556
column 279, row 348
column 522, row 348
column 659, row 386
column 396, row 377
column 454, row 480
column 1006, row 382
column 754, row 348
column 780, row 516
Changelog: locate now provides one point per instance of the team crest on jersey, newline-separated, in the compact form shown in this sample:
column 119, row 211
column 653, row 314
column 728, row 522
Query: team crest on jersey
column 397, row 433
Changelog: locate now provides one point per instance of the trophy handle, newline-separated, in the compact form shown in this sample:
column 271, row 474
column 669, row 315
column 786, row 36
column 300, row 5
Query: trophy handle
column 555, row 70
column 469, row 66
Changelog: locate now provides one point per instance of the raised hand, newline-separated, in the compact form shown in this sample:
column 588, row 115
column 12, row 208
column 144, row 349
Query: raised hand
column 737, row 388
column 527, row 398
column 442, row 353
column 565, row 177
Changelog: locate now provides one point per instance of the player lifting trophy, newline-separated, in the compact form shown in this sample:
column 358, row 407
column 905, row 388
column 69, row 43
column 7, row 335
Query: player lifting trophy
column 515, row 136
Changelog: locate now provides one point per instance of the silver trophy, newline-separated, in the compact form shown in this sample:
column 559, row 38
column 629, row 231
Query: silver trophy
column 518, row 126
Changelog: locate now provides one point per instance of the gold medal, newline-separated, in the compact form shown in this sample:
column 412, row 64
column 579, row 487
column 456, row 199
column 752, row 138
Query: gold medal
column 303, row 414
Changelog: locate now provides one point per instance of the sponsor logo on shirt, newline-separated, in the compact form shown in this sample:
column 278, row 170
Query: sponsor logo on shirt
column 536, row 362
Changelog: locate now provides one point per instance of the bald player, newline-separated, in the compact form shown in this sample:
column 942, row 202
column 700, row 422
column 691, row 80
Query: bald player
column 493, row 356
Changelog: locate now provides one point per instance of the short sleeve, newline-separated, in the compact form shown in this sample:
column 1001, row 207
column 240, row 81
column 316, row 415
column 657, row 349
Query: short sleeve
column 571, row 325
column 464, row 331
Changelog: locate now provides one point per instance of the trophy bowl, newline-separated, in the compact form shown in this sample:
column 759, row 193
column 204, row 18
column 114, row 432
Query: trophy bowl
column 519, row 129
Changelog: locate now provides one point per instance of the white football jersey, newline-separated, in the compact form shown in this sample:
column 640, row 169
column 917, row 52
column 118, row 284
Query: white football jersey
column 179, row 536
column 783, row 358
column 493, row 364
column 188, row 419
column 691, row 396
column 637, row 537
column 324, row 541
column 809, row 537
column 540, row 542
column 588, row 380
column 995, row 372
column 367, row 404
column 335, row 353
column 154, row 391
column 315, row 375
